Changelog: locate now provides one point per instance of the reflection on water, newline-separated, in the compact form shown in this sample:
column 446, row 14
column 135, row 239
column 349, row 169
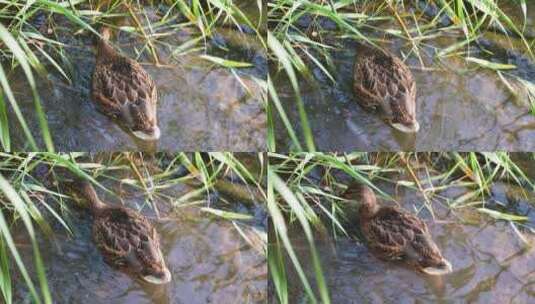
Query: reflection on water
column 208, row 258
column 201, row 107
column 459, row 107
column 490, row 263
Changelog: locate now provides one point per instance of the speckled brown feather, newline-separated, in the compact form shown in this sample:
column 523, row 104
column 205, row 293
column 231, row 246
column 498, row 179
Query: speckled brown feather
column 395, row 234
column 382, row 80
column 126, row 238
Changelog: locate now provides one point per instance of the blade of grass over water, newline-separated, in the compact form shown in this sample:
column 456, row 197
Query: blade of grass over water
column 275, row 101
column 5, row 140
column 297, row 205
column 226, row 63
column 6, row 36
column 11, row 194
column 280, row 226
column 502, row 216
column 490, row 65
column 277, row 271
column 5, row 279
column 227, row 215
column 280, row 53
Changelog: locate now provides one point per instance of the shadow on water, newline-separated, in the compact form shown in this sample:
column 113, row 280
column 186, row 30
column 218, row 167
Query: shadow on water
column 202, row 106
column 459, row 106
column 209, row 260
column 491, row 264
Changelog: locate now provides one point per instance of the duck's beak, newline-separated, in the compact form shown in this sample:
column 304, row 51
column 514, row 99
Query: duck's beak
column 153, row 134
column 161, row 278
column 412, row 128
column 445, row 269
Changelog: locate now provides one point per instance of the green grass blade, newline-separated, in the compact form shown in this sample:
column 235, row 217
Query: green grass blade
column 227, row 214
column 4, row 125
column 299, row 212
column 5, row 277
column 226, row 63
column 282, row 55
column 11, row 194
column 491, row 65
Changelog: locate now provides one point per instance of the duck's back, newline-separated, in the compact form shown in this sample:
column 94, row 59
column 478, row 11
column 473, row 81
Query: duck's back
column 121, row 81
column 380, row 77
column 393, row 233
column 123, row 234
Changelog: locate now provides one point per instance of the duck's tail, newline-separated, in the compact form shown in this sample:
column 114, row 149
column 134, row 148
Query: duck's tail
column 83, row 192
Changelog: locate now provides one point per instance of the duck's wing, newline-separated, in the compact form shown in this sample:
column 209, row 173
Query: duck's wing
column 139, row 86
column 402, row 90
column 145, row 240
column 384, row 235
column 108, row 89
column 392, row 231
column 369, row 82
column 120, row 233
column 410, row 234
column 111, row 240
column 120, row 82
column 381, row 79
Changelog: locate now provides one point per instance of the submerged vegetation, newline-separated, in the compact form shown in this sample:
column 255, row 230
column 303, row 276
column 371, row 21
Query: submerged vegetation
column 32, row 195
column 32, row 38
column 304, row 195
column 303, row 35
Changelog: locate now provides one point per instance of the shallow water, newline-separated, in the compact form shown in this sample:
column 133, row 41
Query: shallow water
column 201, row 107
column 459, row 107
column 490, row 262
column 208, row 259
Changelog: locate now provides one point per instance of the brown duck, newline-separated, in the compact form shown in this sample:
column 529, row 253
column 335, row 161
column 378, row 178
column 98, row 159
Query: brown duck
column 124, row 90
column 125, row 238
column 381, row 80
column 394, row 234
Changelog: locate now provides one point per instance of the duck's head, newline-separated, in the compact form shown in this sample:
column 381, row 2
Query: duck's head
column 429, row 259
column 363, row 197
column 160, row 275
column 153, row 268
column 440, row 267
column 403, row 111
column 140, row 118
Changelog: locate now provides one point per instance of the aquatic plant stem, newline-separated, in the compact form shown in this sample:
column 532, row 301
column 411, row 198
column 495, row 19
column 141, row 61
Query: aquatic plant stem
column 147, row 38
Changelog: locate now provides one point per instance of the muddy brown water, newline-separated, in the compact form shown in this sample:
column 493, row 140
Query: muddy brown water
column 209, row 260
column 459, row 106
column 490, row 262
column 201, row 107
